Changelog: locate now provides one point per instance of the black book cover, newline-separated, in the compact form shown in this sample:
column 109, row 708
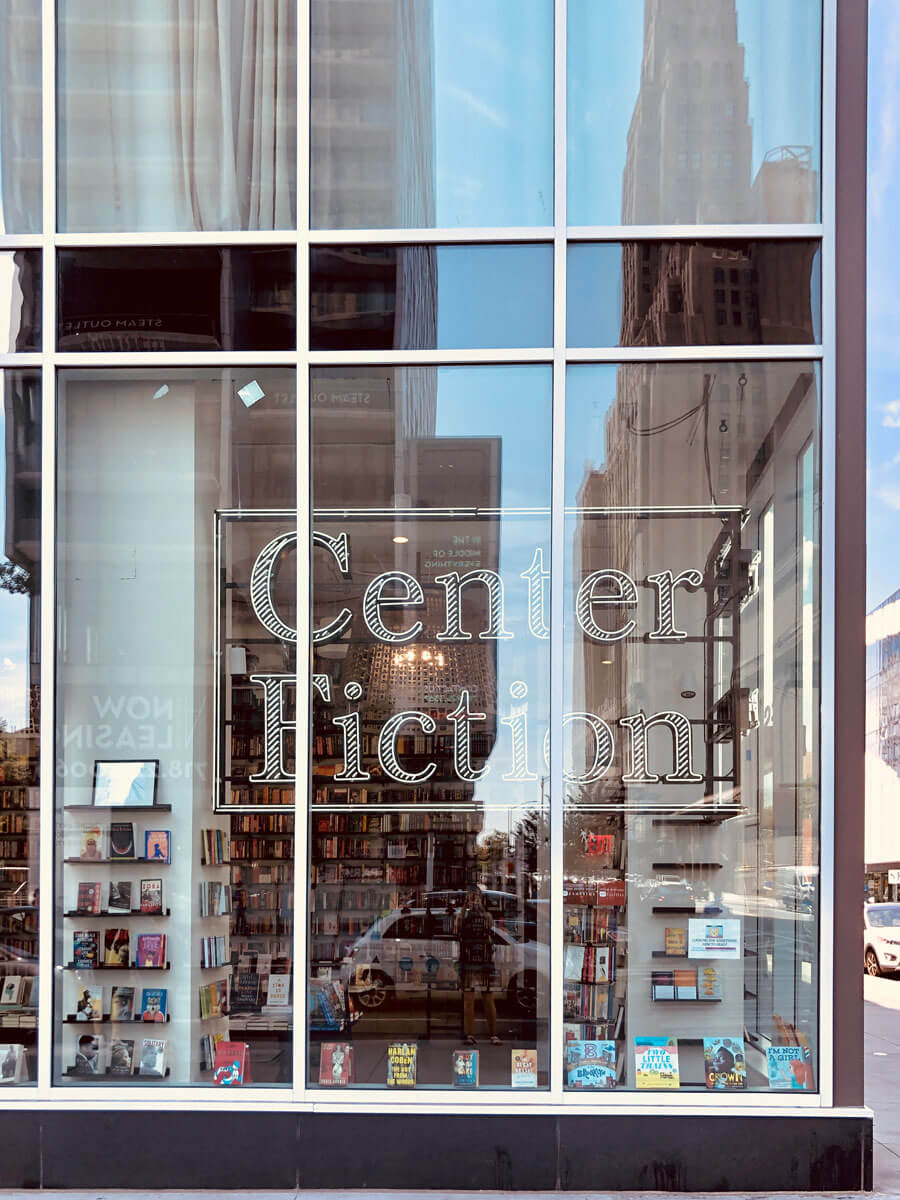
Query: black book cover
column 121, row 840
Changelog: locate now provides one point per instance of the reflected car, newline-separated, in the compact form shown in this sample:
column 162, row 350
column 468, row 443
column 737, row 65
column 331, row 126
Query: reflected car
column 881, row 938
column 410, row 951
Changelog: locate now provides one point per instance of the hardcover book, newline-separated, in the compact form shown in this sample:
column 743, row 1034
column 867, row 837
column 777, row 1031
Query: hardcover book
column 117, row 948
column 151, row 895
column 790, row 1068
column 12, row 989
column 156, row 845
column 153, row 1057
column 121, row 841
column 336, row 1064
column 662, row 985
column 710, row 983
column 401, row 1064
column 86, row 948
column 685, row 984
column 87, row 1056
column 121, row 1004
column 724, row 1064
column 89, row 898
column 591, row 1064
column 151, row 950
column 92, row 843
column 121, row 1057
column 524, row 1068
column 230, row 1066
column 279, row 994
column 153, row 1004
column 465, row 1068
column 676, row 943
column 656, row 1062
column 89, row 1006
column 244, row 991
column 119, row 896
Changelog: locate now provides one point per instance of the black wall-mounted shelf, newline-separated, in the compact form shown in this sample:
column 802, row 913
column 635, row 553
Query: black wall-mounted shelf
column 686, row 866
column 706, row 912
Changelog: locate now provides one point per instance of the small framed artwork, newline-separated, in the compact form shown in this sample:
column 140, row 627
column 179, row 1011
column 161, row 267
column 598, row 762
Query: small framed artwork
column 125, row 783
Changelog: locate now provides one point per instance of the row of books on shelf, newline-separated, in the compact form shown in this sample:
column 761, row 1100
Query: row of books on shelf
column 117, row 843
column 445, row 790
column 252, row 989
column 656, row 1064
column 215, row 898
column 95, row 897
column 214, row 951
column 19, row 848
column 268, row 900
column 368, row 822
column 362, row 847
column 704, row 983
column 18, row 944
column 590, row 924
column 17, row 822
column 259, row 793
column 589, row 963
column 330, row 745
column 13, row 923
column 247, row 873
column 380, row 899
column 256, row 847
column 118, row 1004
column 20, row 990
column 18, row 797
column 150, row 949
column 331, row 923
column 281, row 822
column 336, row 1066
column 214, row 847
column 96, row 1056
column 213, row 999
column 256, row 923
column 588, row 1001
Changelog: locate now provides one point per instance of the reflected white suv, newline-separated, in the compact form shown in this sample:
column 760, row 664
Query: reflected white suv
column 881, row 938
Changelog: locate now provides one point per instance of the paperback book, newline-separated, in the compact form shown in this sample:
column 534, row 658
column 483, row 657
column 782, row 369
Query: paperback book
column 119, row 896
column 89, row 1006
column 524, row 1068
column 12, row 989
column 724, row 1063
column 156, row 845
column 151, row 950
column 676, row 943
column 656, row 1062
column 121, row 1004
column 87, row 1056
column 230, row 1068
column 121, row 1056
column 710, row 983
column 465, row 1068
column 685, row 984
column 89, row 898
column 153, row 1004
column 121, row 841
column 590, row 1064
column 401, row 1064
column 153, row 1057
column 151, row 896
column 790, row 1068
column 336, row 1064
column 85, row 948
column 116, row 948
column 91, row 843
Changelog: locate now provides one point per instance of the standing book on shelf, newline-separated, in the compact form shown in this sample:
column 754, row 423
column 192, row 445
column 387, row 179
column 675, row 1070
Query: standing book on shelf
column 156, row 845
column 524, row 1068
column 151, row 950
column 790, row 1068
column 89, row 1006
column 279, row 993
column 12, row 989
column 465, row 1068
column 336, row 1064
column 685, row 984
column 574, row 963
column 119, row 896
column 121, row 1057
column 121, row 841
column 230, row 1068
column 656, row 1062
column 90, row 898
column 590, row 1064
column 121, row 1004
column 676, row 943
column 91, row 844
column 710, row 983
column 401, row 1064
column 151, row 896
column 87, row 1056
column 153, row 1004
column 153, row 1058
column 117, row 948
column 86, row 948
column 13, row 1064
column 724, row 1063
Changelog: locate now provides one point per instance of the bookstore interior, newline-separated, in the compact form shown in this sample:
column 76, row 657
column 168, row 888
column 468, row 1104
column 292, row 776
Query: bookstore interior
column 416, row 639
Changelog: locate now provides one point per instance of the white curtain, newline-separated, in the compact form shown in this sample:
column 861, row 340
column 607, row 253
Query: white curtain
column 178, row 114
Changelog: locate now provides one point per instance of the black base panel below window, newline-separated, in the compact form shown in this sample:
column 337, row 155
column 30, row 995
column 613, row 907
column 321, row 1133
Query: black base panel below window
column 178, row 1150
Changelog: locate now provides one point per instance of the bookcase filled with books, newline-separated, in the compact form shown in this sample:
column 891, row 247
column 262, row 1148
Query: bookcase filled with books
column 19, row 834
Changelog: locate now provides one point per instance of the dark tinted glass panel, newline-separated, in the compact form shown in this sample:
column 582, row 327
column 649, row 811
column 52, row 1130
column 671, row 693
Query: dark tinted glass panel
column 20, row 698
column 430, row 297
column 203, row 298
column 20, row 300
column 689, row 293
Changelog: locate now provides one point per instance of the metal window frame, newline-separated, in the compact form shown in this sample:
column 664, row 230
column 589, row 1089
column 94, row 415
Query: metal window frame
column 298, row 1097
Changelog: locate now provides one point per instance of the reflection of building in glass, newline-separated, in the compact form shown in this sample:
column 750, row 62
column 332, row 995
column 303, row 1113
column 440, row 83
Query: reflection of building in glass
column 690, row 143
column 883, row 749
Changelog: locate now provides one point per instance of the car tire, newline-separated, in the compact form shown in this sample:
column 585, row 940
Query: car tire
column 873, row 966
column 375, row 996
column 522, row 994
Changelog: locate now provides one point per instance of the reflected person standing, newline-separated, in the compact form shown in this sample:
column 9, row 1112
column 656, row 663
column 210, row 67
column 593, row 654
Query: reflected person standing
column 474, row 929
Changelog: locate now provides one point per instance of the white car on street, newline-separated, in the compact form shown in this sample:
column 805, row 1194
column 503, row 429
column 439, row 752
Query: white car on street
column 881, row 944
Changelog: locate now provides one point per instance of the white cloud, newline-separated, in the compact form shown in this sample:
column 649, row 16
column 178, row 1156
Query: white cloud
column 890, row 495
column 884, row 135
column 477, row 105
column 891, row 418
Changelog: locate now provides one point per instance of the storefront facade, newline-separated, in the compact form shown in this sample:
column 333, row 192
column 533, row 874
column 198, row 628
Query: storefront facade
column 507, row 360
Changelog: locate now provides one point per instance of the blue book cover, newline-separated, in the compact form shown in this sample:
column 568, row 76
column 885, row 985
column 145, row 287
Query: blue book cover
column 465, row 1068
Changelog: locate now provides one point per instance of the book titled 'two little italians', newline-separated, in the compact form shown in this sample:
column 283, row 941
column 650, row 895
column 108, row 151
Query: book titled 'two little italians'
column 656, row 1062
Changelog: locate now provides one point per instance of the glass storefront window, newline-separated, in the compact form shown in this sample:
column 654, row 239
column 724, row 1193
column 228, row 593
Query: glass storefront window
column 20, row 117
column 175, row 863
column 195, row 124
column 431, row 115
column 429, row 848
column 691, row 803
column 20, row 728
column 685, row 113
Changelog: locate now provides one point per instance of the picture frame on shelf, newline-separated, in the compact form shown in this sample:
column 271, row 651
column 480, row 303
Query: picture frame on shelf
column 125, row 783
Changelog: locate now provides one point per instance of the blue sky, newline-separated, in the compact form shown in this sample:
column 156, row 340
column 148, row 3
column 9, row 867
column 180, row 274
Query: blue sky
column 883, row 286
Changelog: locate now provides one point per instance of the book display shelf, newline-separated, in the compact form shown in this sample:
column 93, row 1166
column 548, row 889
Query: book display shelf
column 19, row 819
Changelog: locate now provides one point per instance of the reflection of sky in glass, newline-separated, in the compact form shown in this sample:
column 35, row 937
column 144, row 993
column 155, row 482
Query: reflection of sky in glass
column 514, row 404
column 493, row 67
column 495, row 296
column 13, row 633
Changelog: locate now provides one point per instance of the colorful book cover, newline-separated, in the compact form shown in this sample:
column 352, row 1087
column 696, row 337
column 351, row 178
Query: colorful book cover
column 153, row 1057
column 121, row 841
column 87, row 1056
column 92, row 843
column 685, row 984
column 571, row 999
column 12, row 989
column 279, row 993
column 119, row 896
column 676, row 943
column 153, row 1004
column 591, row 1064
column 401, row 1064
column 89, row 898
column 710, row 983
column 121, row 1004
column 86, row 948
column 121, row 1057
column 724, row 1064
column 465, row 1068
column 230, row 1066
column 524, row 1068
column 89, row 1006
column 117, row 948
column 336, row 1064
column 156, row 845
column 656, row 1062
column 151, row 950
column 662, row 985
column 151, row 895
column 790, row 1068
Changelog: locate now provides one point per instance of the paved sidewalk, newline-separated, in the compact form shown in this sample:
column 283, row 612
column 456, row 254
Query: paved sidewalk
column 882, row 1050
